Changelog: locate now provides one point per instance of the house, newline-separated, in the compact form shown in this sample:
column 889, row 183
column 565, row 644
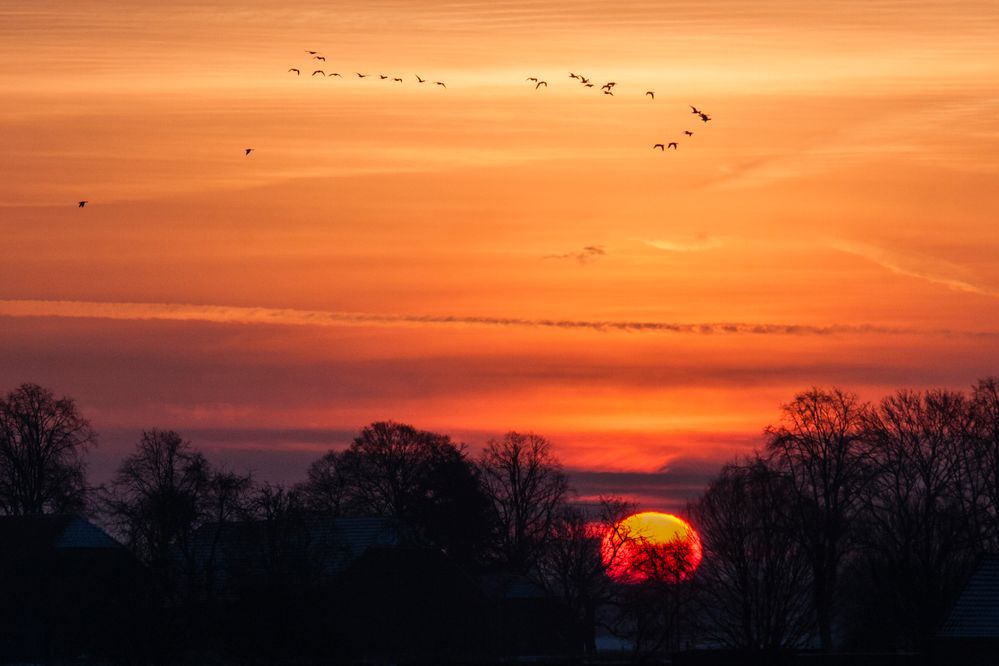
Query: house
column 970, row 634
column 69, row 591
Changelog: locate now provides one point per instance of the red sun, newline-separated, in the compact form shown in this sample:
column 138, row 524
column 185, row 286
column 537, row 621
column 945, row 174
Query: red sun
column 651, row 546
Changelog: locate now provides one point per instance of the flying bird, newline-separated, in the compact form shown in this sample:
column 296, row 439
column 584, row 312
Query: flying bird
column 694, row 110
column 572, row 76
column 705, row 117
column 541, row 83
column 609, row 85
column 440, row 83
column 587, row 85
column 319, row 71
column 608, row 92
column 585, row 81
column 532, row 78
column 688, row 132
column 650, row 94
column 660, row 147
column 397, row 79
column 334, row 74
column 360, row 76
column 81, row 204
column 312, row 52
column 382, row 77
column 323, row 58
column 297, row 72
column 671, row 144
column 248, row 150
column 419, row 79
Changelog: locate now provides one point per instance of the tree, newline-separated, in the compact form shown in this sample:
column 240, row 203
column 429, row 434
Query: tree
column 420, row 478
column 527, row 488
column 753, row 582
column 818, row 446
column 919, row 533
column 42, row 442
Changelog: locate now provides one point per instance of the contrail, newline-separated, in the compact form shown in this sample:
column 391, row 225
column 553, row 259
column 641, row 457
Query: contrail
column 225, row 314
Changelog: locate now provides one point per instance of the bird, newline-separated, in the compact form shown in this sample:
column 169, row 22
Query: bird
column 312, row 52
column 609, row 84
column 585, row 81
column 319, row 71
column 573, row 76
column 532, row 78
column 318, row 57
column 397, row 80
column 705, row 117
column 247, row 151
column 688, row 132
column 440, row 83
column 297, row 72
column 382, row 77
column 419, row 79
column 695, row 110
column 587, row 85
column 608, row 92
column 660, row 147
column 334, row 74
column 650, row 94
column 360, row 76
column 81, row 204
column 541, row 83
column 671, row 144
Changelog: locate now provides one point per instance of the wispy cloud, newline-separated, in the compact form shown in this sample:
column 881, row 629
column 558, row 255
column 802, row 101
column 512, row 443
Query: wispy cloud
column 914, row 265
column 697, row 243
column 587, row 254
column 225, row 314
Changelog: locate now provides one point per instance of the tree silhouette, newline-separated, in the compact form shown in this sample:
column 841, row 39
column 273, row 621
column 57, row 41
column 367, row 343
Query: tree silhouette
column 527, row 488
column 42, row 442
column 754, row 579
column 818, row 446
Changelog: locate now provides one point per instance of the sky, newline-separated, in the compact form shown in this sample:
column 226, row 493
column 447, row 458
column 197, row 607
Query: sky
column 491, row 256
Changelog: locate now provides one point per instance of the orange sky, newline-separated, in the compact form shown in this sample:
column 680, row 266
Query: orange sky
column 404, row 251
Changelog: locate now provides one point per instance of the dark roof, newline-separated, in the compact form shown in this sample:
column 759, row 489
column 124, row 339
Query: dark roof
column 976, row 613
column 52, row 532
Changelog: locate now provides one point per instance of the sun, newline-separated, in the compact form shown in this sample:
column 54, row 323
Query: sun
column 651, row 546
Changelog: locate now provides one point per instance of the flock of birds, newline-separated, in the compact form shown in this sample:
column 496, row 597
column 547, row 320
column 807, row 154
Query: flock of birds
column 606, row 89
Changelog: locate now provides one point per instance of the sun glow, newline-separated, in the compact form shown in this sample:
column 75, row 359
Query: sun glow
column 651, row 546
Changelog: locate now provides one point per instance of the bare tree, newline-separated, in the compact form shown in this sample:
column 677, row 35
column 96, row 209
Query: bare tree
column 818, row 446
column 918, row 531
column 527, row 487
column 326, row 488
column 42, row 442
column 575, row 560
column 754, row 581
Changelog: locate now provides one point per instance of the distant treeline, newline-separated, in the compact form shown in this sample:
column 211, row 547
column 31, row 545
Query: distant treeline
column 854, row 528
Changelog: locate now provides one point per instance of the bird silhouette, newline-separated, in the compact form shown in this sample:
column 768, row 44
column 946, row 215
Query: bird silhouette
column 419, row 79
column 532, row 78
column 608, row 92
column 609, row 85
column 312, row 52
column 585, row 81
column 688, row 132
column 659, row 146
column 360, row 76
column 319, row 71
column 587, row 85
column 317, row 57
column 440, row 83
column 334, row 74
column 81, row 204
column 671, row 144
column 704, row 117
column 541, row 83
column 397, row 80
column 382, row 77
column 572, row 76
column 694, row 110
column 247, row 151
column 297, row 72
column 650, row 94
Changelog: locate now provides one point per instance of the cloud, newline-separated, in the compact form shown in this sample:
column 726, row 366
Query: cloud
column 588, row 253
column 225, row 314
column 698, row 243
column 922, row 267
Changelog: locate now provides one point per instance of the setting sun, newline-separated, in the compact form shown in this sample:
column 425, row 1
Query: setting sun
column 651, row 545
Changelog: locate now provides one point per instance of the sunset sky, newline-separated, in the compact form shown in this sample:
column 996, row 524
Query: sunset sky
column 488, row 256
